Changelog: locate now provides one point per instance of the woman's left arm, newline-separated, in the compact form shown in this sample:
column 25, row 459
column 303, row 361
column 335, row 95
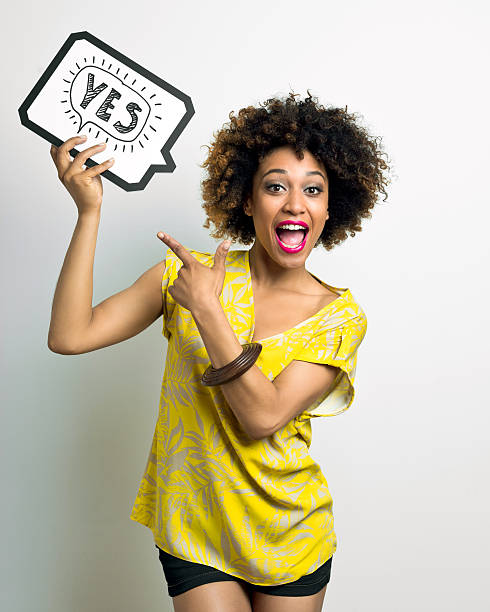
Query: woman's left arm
column 251, row 396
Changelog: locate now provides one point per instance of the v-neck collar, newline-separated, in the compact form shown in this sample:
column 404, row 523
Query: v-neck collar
column 343, row 295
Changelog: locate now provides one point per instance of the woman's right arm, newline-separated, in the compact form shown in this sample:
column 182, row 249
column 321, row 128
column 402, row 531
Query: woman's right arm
column 76, row 327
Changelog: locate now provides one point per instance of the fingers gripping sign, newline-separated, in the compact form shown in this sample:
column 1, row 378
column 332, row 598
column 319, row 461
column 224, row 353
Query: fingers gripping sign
column 196, row 284
column 84, row 185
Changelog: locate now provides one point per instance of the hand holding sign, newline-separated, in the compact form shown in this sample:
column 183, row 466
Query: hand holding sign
column 85, row 186
column 90, row 87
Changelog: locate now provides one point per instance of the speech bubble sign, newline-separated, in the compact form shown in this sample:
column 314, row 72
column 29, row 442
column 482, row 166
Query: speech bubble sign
column 90, row 88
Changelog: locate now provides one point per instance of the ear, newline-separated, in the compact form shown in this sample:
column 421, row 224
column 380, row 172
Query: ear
column 247, row 207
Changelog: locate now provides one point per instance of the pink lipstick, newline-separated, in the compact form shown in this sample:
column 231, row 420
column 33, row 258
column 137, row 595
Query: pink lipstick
column 289, row 249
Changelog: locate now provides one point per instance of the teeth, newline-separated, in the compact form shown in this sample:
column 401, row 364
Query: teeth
column 291, row 226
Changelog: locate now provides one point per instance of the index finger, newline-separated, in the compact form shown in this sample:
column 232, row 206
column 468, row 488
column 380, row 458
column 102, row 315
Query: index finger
column 181, row 252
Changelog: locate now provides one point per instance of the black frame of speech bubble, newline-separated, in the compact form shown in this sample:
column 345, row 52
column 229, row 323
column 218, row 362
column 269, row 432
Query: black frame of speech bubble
column 169, row 165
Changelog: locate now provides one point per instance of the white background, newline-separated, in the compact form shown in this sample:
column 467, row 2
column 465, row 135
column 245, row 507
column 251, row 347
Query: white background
column 407, row 464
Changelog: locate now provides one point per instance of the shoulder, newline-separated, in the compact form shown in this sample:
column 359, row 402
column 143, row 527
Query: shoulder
column 207, row 258
column 346, row 311
column 234, row 261
column 173, row 259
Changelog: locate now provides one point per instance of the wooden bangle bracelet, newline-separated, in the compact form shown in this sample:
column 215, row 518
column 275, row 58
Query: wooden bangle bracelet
column 235, row 368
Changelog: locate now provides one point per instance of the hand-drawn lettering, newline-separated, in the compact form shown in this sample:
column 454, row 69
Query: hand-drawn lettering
column 131, row 107
column 101, row 113
column 91, row 93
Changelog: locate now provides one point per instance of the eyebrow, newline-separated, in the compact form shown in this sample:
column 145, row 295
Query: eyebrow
column 282, row 171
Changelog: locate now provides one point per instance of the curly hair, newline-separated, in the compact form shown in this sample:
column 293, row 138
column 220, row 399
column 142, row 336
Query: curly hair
column 352, row 157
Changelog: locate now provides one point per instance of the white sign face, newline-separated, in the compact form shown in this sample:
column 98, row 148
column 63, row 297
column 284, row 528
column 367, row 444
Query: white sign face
column 90, row 88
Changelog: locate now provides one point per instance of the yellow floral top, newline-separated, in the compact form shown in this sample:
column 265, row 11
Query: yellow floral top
column 256, row 509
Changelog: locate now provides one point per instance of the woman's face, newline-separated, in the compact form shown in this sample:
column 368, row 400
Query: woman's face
column 286, row 188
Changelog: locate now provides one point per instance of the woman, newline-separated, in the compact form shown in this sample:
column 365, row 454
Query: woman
column 240, row 513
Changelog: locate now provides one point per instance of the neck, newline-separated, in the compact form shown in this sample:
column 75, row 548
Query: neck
column 270, row 274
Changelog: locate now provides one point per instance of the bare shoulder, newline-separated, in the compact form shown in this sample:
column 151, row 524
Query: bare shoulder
column 325, row 295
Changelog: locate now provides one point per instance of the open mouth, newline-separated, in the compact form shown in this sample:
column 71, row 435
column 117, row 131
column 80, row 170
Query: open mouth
column 291, row 238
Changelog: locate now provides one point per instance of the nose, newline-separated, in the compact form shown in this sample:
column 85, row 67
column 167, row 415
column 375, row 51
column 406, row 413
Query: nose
column 295, row 202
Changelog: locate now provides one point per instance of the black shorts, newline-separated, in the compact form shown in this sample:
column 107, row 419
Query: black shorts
column 183, row 575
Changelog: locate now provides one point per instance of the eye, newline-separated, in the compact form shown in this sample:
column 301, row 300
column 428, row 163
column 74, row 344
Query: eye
column 315, row 187
column 270, row 185
column 273, row 185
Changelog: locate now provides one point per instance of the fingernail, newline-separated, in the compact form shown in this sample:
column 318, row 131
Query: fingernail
column 83, row 137
column 161, row 235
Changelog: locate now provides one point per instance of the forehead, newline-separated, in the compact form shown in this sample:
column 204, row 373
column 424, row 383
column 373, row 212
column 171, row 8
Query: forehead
column 285, row 158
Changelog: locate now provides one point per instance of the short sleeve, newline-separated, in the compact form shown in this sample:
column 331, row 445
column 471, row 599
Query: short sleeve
column 336, row 347
column 172, row 266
